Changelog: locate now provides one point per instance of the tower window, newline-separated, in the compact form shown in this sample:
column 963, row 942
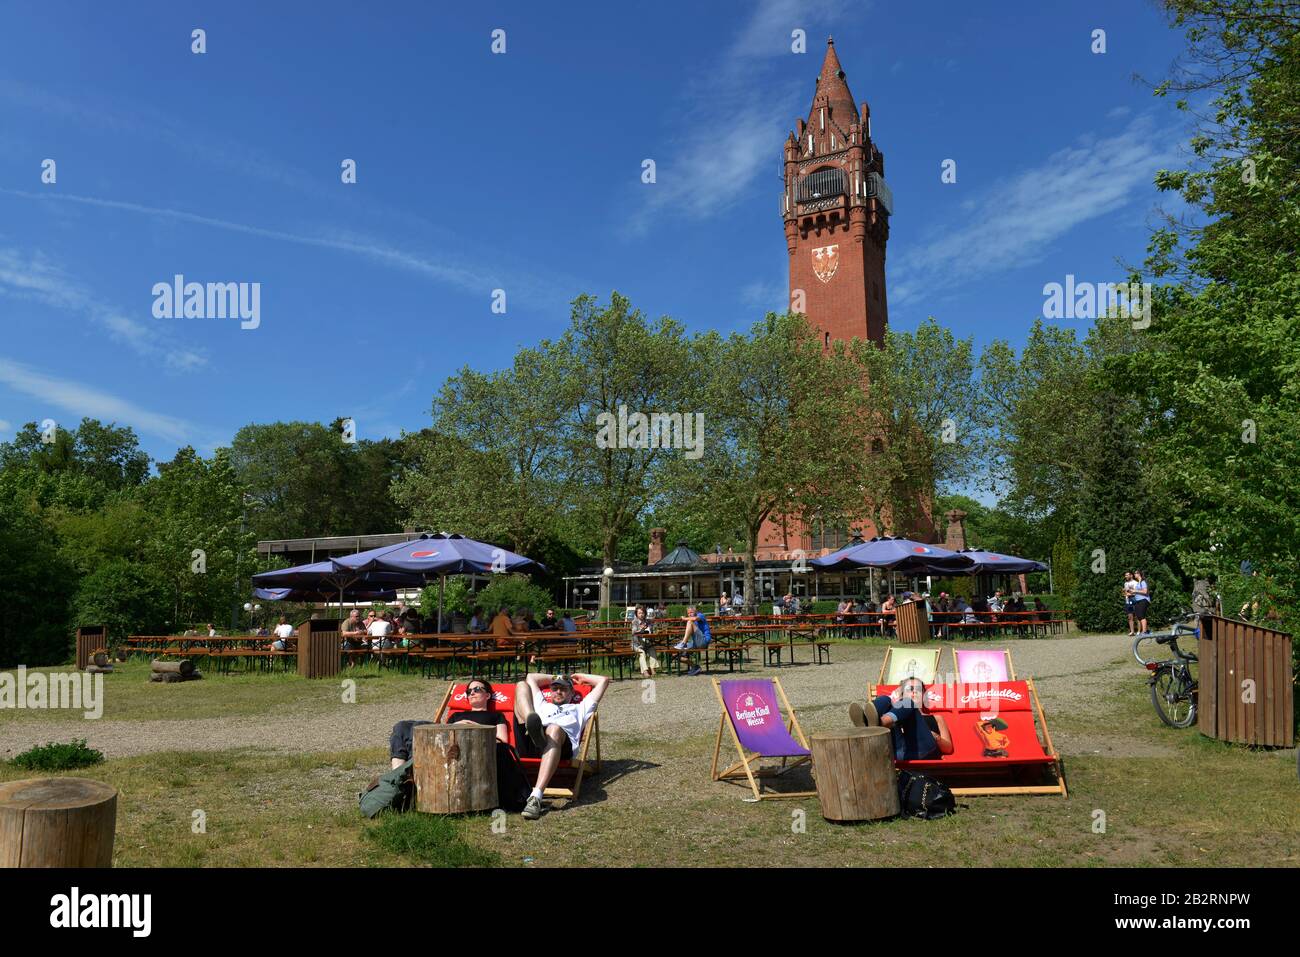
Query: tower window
column 821, row 184
column 827, row 340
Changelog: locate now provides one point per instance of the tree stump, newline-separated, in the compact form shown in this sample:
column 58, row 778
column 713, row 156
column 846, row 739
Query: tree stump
column 855, row 773
column 455, row 767
column 57, row 822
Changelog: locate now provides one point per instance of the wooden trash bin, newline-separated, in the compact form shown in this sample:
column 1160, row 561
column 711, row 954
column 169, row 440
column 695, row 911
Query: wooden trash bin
column 319, row 651
column 57, row 822
column 911, row 623
column 1247, row 690
column 89, row 637
column 455, row 767
column 855, row 774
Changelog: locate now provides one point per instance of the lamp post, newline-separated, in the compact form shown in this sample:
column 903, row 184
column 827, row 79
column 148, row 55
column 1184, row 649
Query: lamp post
column 604, row 591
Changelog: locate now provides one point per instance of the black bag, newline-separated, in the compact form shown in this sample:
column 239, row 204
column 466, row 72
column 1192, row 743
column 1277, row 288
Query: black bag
column 924, row 797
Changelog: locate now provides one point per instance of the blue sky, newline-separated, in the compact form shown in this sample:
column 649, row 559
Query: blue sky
column 519, row 171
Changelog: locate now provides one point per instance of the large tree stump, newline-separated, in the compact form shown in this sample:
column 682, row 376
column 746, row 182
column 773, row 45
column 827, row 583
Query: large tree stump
column 57, row 822
column 455, row 767
column 856, row 780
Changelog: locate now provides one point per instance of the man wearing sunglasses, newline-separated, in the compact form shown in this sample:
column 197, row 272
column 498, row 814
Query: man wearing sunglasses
column 552, row 722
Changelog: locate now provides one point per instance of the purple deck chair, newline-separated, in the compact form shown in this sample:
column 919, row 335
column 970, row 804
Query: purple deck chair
column 751, row 709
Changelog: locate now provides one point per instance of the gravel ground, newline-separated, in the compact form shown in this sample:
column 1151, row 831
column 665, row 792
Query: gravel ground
column 1072, row 675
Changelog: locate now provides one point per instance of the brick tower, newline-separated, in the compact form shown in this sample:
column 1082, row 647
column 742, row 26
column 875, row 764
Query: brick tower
column 836, row 209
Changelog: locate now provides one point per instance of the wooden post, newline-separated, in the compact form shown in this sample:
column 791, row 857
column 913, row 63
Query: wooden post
column 89, row 637
column 455, row 767
column 855, row 774
column 57, row 822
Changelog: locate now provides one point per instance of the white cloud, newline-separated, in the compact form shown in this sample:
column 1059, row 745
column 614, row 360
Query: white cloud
column 1019, row 218
column 82, row 400
column 471, row 278
column 1118, row 113
column 735, row 125
column 34, row 277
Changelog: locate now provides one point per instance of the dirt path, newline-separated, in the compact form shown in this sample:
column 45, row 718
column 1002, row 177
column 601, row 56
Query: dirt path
column 1072, row 675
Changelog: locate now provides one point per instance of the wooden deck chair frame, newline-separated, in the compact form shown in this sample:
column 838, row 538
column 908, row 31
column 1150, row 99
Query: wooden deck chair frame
column 1006, row 653
column 579, row 762
column 745, row 767
column 889, row 651
column 1048, row 749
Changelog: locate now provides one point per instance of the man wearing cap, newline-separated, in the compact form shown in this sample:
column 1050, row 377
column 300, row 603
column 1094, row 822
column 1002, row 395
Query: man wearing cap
column 552, row 722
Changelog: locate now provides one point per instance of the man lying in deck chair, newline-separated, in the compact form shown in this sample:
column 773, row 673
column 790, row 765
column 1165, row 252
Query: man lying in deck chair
column 916, row 735
column 553, row 723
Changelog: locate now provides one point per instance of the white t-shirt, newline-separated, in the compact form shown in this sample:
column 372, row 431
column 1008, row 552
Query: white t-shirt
column 1130, row 587
column 284, row 631
column 380, row 628
column 570, row 717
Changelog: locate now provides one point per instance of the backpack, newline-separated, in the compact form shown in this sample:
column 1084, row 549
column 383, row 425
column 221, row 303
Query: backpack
column 924, row 797
column 394, row 791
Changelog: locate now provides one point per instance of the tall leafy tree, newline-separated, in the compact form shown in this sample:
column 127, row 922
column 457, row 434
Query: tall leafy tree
column 491, row 464
column 786, row 429
column 618, row 365
column 1219, row 379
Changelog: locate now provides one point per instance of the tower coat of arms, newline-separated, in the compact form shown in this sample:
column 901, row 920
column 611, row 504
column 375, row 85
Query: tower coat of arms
column 826, row 259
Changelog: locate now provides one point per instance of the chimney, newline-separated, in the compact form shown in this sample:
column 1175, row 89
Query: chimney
column 955, row 539
column 657, row 536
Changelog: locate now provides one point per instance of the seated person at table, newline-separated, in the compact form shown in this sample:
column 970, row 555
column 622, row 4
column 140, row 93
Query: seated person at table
column 549, row 622
column 380, row 629
column 283, row 632
column 502, row 627
column 738, row 603
column 917, row 735
column 567, row 623
column 841, row 610
column 696, row 635
column 724, row 604
column 352, row 630
column 512, row 788
column 1038, row 605
column 551, row 724
column 478, row 622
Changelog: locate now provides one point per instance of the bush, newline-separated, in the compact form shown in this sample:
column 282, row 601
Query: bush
column 59, row 757
column 456, row 597
column 512, row 592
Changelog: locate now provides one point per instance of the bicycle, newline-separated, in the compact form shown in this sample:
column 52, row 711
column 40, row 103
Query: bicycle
column 1174, row 689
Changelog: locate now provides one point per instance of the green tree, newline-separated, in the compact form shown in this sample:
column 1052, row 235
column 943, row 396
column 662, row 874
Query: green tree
column 127, row 598
column 786, row 424
column 1218, row 380
column 491, row 465
column 619, row 365
column 34, row 578
column 1119, row 531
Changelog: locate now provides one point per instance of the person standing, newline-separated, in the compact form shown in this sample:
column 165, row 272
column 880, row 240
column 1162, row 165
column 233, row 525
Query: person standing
column 1141, row 601
column 1130, row 587
column 641, row 643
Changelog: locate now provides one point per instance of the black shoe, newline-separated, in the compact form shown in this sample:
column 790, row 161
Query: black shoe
column 535, row 733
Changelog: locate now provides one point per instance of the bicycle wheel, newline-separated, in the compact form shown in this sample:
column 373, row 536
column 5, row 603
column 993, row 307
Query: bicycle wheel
column 1171, row 696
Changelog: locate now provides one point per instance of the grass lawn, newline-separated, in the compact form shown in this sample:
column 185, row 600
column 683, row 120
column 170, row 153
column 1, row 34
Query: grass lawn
column 1195, row 802
column 130, row 696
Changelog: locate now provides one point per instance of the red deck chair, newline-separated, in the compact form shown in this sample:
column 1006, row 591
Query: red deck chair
column 996, row 744
column 569, row 772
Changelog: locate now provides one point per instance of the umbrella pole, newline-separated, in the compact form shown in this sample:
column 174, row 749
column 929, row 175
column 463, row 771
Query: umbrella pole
column 442, row 581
